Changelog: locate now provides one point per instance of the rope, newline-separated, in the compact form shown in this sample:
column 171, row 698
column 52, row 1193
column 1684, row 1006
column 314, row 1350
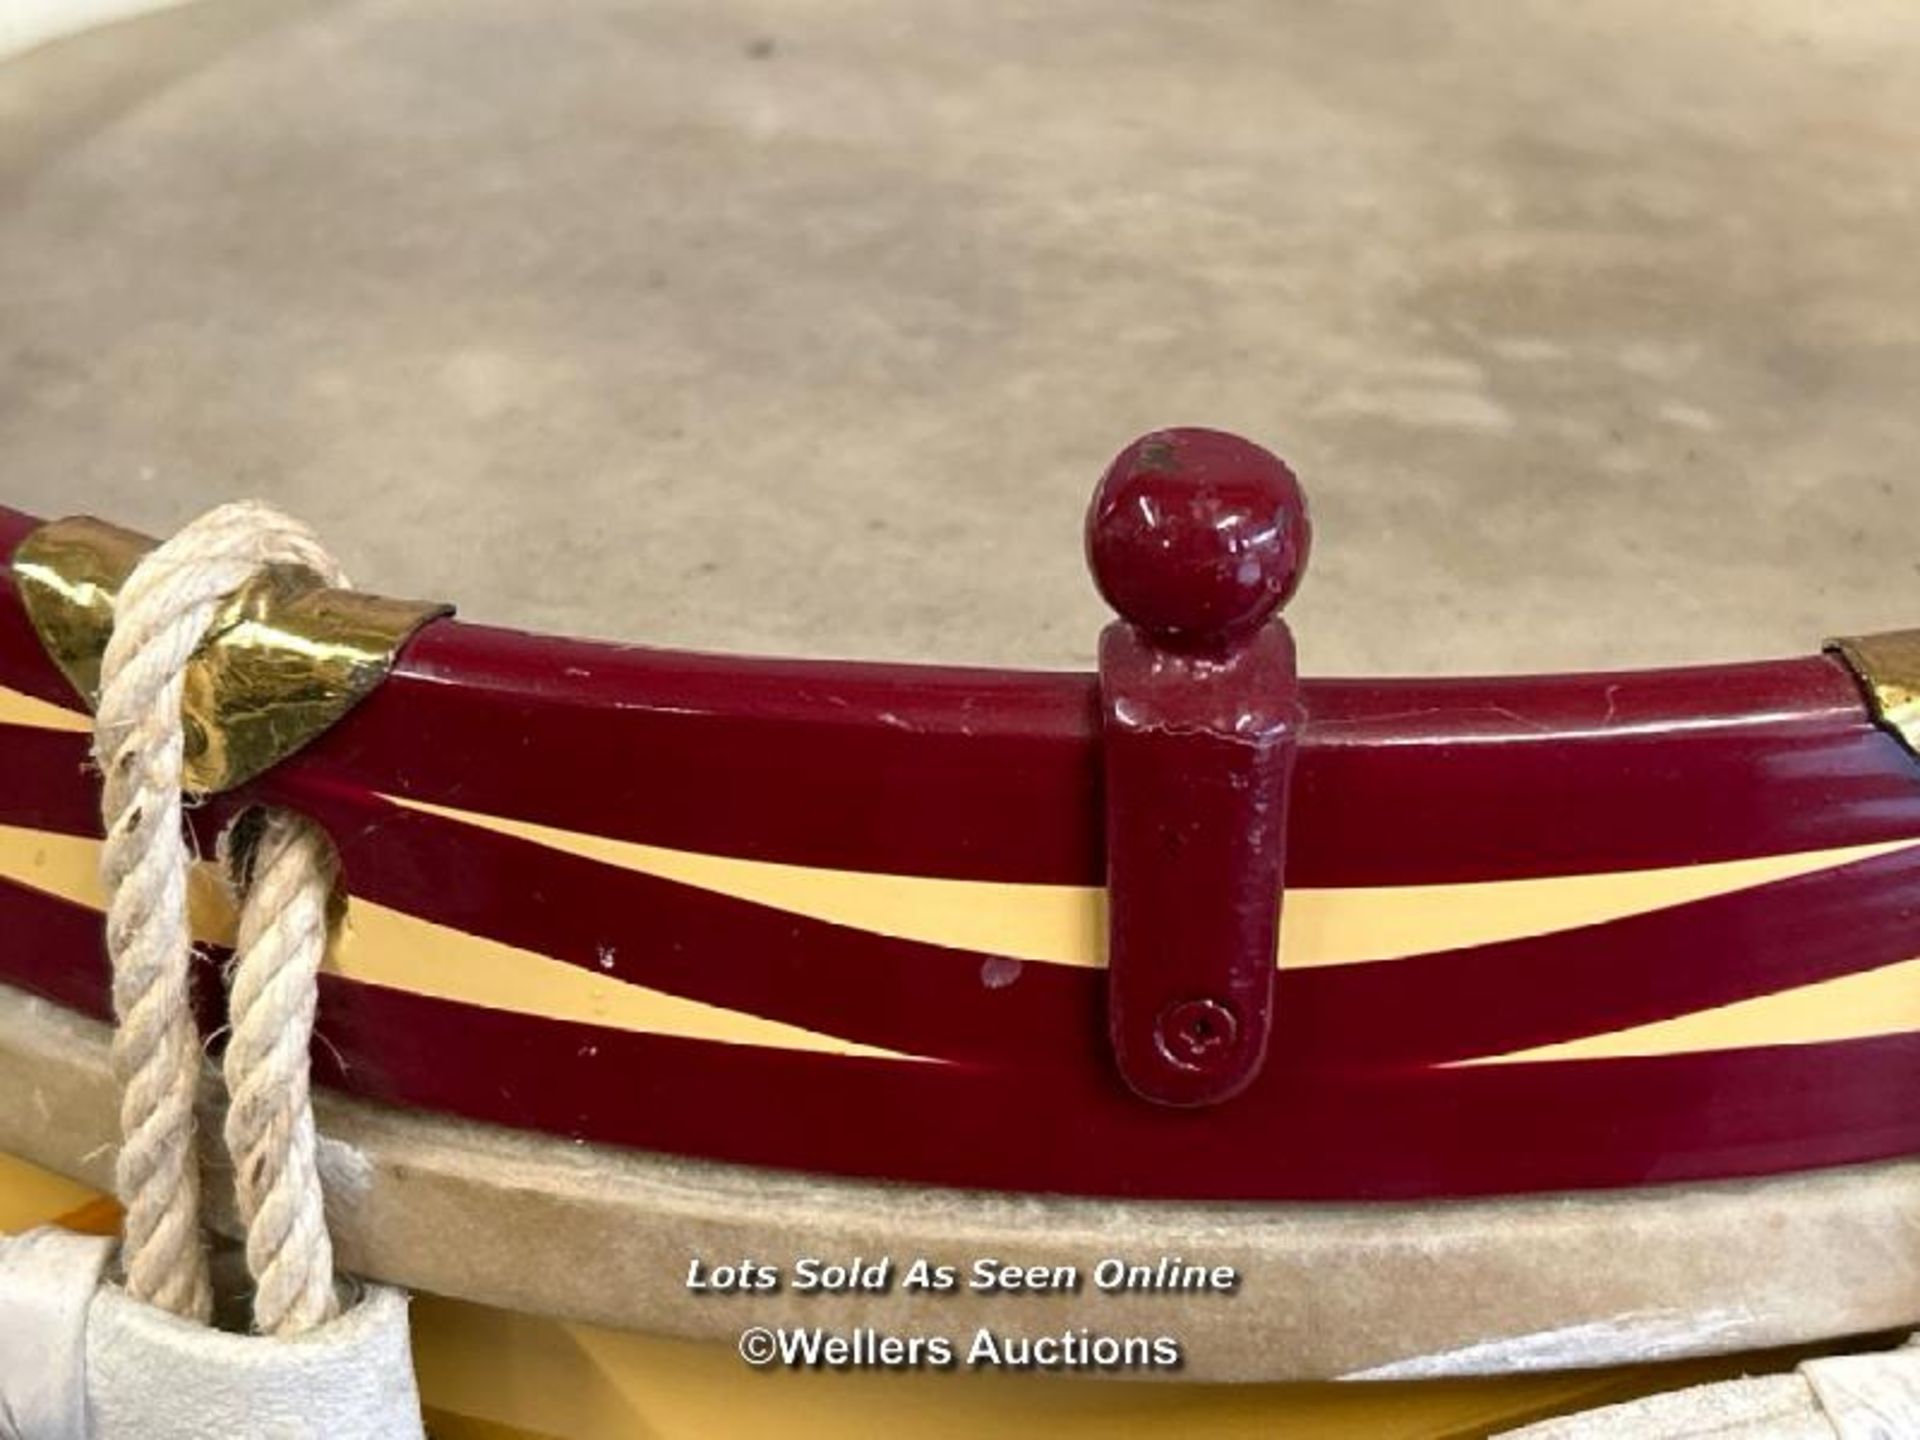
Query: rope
column 287, row 885
column 160, row 618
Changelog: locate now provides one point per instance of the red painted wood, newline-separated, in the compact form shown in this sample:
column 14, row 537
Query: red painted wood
column 981, row 774
column 1389, row 1133
column 994, row 775
column 1343, row 1034
column 989, row 1010
column 1197, row 539
column 1199, row 752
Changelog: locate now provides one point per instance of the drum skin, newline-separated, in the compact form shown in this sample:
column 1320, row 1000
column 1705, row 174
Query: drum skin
column 727, row 327
column 735, row 328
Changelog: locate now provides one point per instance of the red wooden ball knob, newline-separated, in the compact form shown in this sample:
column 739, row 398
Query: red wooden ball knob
column 1197, row 536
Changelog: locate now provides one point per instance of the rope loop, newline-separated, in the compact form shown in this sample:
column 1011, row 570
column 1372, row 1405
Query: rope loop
column 284, row 876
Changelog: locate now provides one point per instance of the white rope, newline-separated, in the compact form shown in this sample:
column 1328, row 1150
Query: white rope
column 286, row 883
column 160, row 618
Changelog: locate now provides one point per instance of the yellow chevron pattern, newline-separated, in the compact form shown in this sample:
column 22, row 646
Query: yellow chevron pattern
column 380, row 946
column 1047, row 924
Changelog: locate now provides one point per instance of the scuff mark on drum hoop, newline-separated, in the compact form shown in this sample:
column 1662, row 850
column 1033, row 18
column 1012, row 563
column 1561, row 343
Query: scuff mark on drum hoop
column 1630, row 1339
column 999, row 971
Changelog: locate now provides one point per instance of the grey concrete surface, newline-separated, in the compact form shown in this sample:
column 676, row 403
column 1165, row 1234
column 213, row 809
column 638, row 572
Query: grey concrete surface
column 806, row 327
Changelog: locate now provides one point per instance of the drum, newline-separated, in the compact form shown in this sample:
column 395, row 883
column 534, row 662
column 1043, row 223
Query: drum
column 776, row 350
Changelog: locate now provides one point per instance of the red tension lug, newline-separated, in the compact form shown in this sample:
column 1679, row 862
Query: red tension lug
column 1196, row 538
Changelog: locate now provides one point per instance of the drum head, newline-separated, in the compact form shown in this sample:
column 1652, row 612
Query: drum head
column 1594, row 333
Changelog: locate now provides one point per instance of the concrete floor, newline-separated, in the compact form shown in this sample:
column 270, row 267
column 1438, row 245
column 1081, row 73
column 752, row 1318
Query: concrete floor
column 1594, row 331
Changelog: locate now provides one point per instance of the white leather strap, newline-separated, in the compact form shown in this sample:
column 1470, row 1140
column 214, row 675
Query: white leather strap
column 154, row 1376
column 47, row 1282
column 1847, row 1397
column 1869, row 1397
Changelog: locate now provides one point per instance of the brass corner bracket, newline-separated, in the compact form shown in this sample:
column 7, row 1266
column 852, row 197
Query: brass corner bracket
column 1888, row 668
column 284, row 658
